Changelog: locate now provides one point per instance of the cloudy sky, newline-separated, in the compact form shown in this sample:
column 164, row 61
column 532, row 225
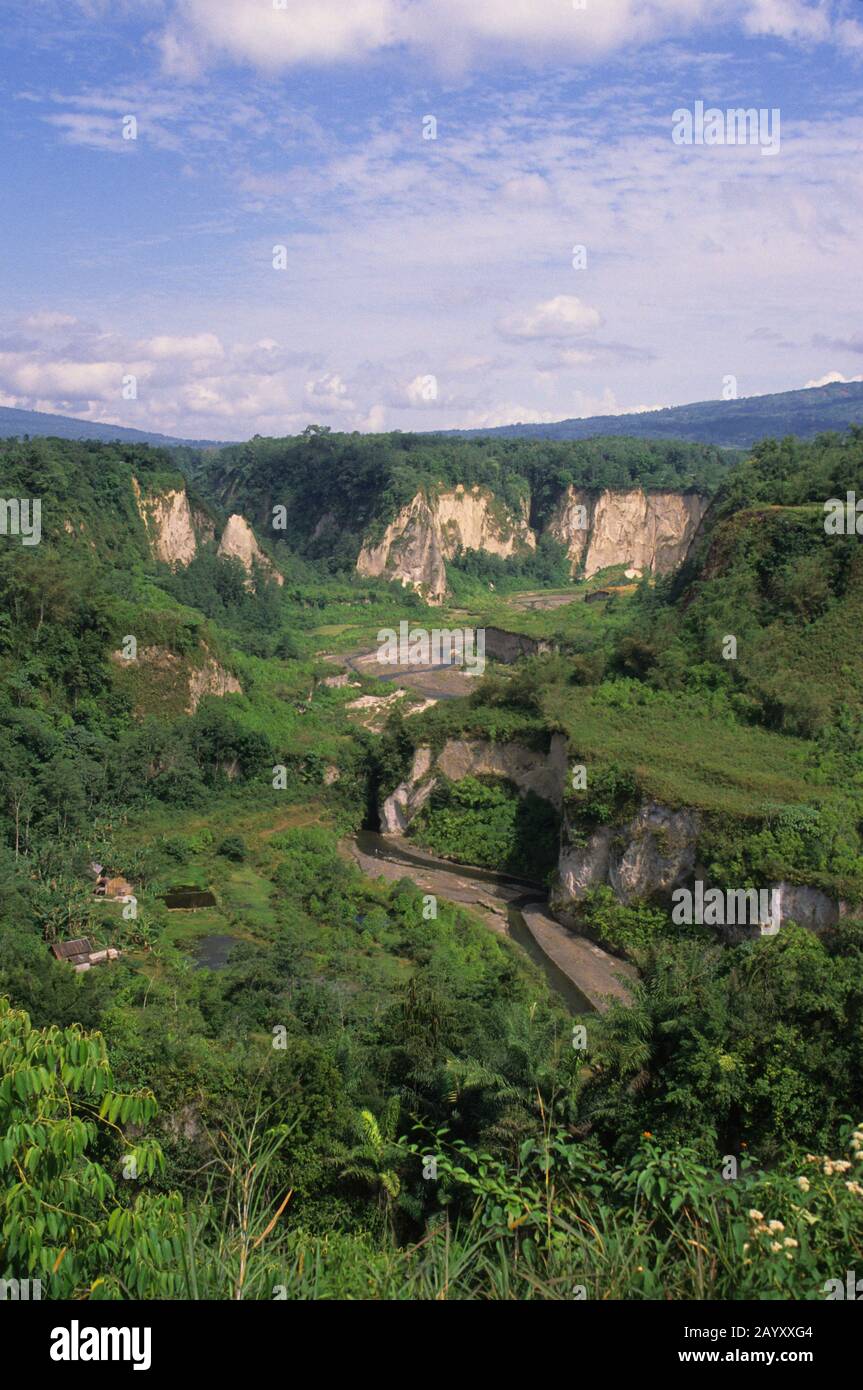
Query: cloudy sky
column 282, row 242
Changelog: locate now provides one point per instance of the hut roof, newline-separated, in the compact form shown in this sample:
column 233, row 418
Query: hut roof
column 74, row 951
column 118, row 887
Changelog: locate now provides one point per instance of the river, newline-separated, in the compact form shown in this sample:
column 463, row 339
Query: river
column 453, row 882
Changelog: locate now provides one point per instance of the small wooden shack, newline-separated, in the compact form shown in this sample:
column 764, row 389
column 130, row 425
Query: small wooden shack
column 80, row 954
column 117, row 888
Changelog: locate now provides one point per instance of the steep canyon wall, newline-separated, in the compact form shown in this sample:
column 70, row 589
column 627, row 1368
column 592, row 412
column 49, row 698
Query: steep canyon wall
column 651, row 532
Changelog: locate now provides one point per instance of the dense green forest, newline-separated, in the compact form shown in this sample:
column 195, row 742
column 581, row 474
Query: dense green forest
column 336, row 487
column 399, row 1100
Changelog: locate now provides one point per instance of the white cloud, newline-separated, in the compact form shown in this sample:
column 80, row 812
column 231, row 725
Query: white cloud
column 606, row 404
column 455, row 257
column 788, row 19
column 453, row 32
column 575, row 357
column 423, row 391
column 93, row 129
column 329, row 394
column 526, row 189
column 849, row 34
column 459, row 33
column 556, row 319
column 202, row 345
column 256, row 32
column 505, row 414
column 375, row 422
column 47, row 320
column 830, row 378
column 62, row 380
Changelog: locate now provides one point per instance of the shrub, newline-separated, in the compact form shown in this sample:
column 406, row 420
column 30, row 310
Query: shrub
column 233, row 847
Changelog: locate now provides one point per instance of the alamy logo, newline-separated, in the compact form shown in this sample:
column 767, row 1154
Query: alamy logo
column 464, row 647
column 851, row 1289
column 844, row 518
column 21, row 517
column 717, row 907
column 737, row 126
column 77, row 1343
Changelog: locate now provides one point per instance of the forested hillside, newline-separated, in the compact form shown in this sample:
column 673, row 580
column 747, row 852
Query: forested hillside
column 395, row 1091
column 336, row 488
column 37, row 424
column 738, row 423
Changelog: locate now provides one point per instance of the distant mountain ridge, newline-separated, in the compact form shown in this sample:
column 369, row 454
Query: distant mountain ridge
column 16, row 423
column 727, row 424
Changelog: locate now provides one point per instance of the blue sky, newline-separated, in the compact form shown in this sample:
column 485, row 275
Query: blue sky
column 427, row 283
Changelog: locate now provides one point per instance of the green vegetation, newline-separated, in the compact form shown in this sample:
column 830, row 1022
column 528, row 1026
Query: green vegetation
column 339, row 488
column 472, row 571
column 484, row 821
column 389, row 1090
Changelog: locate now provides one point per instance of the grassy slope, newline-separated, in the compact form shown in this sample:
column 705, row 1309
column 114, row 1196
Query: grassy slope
column 684, row 758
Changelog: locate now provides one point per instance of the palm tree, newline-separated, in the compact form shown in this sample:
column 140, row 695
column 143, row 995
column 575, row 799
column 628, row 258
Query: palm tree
column 373, row 1160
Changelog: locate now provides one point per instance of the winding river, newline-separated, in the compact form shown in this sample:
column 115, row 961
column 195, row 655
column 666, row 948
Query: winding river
column 459, row 883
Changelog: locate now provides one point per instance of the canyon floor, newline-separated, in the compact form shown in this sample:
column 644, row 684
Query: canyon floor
column 506, row 905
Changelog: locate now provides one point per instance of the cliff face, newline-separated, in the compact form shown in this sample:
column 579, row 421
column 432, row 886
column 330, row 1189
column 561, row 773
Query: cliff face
column 648, row 531
column 649, row 856
column 238, row 541
column 174, row 528
column 428, row 532
column 410, row 551
column 544, row 774
column 471, row 520
column 642, row 859
column 652, row 854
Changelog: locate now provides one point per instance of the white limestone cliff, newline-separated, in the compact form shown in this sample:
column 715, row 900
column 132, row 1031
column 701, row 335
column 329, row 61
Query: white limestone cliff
column 430, row 530
column 238, row 541
column 649, row 531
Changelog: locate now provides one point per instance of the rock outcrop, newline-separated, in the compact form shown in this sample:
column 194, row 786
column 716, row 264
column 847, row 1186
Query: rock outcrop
column 408, row 799
column 650, row 855
column 529, row 770
column 430, row 530
column 542, row 773
column 174, row 527
column 210, row 679
column 238, row 541
column 410, row 551
column 808, row 907
column 649, row 531
column 508, row 647
column 162, row 681
column 642, row 859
